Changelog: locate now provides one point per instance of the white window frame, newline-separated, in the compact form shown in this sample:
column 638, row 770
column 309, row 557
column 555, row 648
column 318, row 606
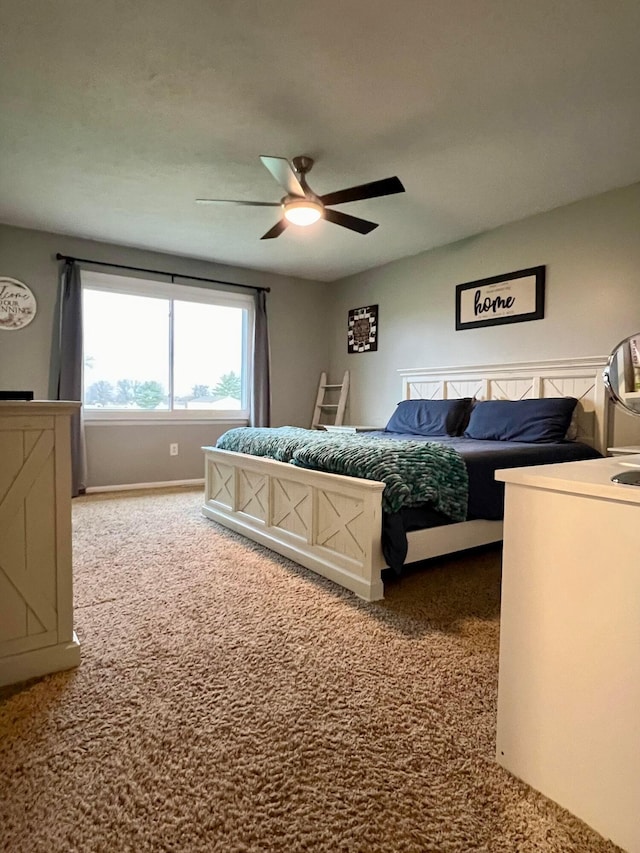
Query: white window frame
column 184, row 293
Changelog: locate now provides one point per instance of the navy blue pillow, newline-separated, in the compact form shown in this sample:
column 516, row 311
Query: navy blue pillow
column 430, row 417
column 521, row 420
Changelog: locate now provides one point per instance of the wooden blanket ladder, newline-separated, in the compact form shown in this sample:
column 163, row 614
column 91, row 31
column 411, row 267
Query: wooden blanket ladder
column 331, row 402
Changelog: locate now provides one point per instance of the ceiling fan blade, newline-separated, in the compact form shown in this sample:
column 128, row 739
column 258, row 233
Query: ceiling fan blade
column 374, row 189
column 276, row 231
column 362, row 226
column 283, row 172
column 237, row 201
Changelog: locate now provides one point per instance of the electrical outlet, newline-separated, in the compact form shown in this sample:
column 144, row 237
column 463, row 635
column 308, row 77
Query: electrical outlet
column 173, row 449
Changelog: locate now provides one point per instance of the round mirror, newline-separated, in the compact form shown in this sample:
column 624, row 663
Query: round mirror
column 622, row 374
column 622, row 378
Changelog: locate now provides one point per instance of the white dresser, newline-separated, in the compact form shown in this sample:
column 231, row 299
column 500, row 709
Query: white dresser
column 36, row 598
column 569, row 683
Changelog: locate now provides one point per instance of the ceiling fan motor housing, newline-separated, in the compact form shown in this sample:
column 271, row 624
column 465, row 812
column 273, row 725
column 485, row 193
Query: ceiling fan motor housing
column 302, row 164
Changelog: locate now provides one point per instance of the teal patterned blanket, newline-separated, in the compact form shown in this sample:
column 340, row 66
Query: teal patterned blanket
column 413, row 472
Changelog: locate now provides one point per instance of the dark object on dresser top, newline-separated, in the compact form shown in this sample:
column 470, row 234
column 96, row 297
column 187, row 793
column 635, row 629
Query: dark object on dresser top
column 16, row 395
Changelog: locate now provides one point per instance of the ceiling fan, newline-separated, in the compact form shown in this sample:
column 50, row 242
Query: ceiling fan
column 301, row 206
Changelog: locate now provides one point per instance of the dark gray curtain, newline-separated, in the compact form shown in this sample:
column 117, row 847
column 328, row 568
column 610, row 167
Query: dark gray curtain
column 69, row 366
column 260, row 407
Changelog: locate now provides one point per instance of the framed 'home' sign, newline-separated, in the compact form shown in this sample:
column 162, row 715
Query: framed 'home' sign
column 510, row 298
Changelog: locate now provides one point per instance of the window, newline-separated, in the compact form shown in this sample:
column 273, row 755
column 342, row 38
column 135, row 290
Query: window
column 164, row 351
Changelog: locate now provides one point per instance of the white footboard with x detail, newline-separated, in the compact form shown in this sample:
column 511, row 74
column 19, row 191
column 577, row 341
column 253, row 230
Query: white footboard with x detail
column 326, row 522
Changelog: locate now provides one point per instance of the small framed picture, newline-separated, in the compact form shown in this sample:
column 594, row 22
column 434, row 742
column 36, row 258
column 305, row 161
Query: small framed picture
column 510, row 298
column 362, row 329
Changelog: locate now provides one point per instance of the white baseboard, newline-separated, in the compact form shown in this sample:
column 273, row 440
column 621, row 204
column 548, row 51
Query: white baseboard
column 128, row 487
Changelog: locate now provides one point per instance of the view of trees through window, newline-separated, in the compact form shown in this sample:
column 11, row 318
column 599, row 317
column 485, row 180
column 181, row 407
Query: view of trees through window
column 129, row 393
column 152, row 353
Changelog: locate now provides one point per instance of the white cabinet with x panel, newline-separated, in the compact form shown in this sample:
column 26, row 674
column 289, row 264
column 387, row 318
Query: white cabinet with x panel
column 36, row 598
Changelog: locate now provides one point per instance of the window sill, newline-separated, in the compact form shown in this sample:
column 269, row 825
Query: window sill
column 163, row 421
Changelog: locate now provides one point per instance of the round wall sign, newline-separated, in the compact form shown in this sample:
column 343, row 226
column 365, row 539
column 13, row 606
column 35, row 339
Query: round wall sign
column 17, row 304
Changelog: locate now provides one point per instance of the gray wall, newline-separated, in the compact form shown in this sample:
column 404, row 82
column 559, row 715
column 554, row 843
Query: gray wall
column 140, row 454
column 591, row 250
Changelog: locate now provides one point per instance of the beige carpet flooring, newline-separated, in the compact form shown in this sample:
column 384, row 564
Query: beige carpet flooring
column 229, row 701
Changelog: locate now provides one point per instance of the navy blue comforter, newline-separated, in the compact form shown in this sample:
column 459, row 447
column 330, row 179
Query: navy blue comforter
column 486, row 494
column 484, row 458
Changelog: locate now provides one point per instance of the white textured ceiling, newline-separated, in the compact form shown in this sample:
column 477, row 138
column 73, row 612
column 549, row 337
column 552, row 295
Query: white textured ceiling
column 115, row 116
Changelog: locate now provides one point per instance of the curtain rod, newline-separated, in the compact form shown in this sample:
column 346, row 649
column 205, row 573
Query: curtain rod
column 172, row 275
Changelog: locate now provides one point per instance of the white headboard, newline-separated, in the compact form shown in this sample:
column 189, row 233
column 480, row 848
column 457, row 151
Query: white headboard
column 570, row 377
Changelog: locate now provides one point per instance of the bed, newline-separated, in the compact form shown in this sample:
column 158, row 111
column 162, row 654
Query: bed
column 333, row 524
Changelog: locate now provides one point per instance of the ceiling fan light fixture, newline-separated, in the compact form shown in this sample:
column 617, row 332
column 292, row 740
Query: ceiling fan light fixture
column 303, row 211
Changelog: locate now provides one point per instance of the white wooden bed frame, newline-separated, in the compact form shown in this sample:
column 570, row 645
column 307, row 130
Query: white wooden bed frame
column 332, row 524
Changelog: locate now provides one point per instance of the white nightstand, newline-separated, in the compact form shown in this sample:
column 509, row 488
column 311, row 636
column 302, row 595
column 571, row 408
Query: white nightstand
column 623, row 451
column 353, row 428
